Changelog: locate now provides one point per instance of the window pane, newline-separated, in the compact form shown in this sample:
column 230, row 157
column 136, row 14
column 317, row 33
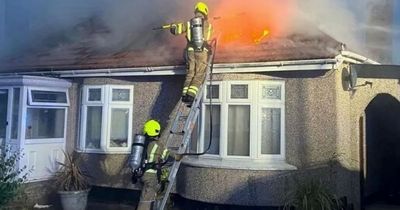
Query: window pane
column 42, row 123
column 271, row 92
column 48, row 96
column 119, row 127
column 94, row 94
column 15, row 114
column 239, row 130
column 216, row 113
column 214, row 90
column 270, row 131
column 120, row 94
column 3, row 114
column 239, row 91
column 93, row 127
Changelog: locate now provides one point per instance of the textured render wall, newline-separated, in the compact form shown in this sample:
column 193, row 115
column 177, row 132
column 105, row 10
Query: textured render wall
column 321, row 124
column 310, row 144
column 154, row 97
column 73, row 116
column 350, row 107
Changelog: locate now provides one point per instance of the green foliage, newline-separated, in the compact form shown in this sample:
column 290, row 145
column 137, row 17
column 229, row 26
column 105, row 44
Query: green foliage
column 70, row 176
column 11, row 178
column 310, row 195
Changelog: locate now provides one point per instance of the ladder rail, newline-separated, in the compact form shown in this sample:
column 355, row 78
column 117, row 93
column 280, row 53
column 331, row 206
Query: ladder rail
column 189, row 125
column 187, row 130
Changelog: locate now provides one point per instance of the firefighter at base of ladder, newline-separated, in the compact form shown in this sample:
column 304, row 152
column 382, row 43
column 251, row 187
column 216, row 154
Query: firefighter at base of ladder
column 198, row 32
column 157, row 154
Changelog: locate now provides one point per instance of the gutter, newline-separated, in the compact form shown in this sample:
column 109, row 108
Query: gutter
column 355, row 58
column 294, row 65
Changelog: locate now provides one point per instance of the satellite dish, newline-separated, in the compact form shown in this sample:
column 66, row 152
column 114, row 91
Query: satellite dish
column 353, row 78
column 349, row 78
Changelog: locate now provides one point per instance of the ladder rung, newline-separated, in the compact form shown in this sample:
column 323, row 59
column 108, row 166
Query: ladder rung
column 173, row 148
column 183, row 117
column 177, row 133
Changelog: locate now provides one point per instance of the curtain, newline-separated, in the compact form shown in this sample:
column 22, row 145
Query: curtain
column 93, row 127
column 239, row 130
column 216, row 115
column 119, row 127
column 270, row 131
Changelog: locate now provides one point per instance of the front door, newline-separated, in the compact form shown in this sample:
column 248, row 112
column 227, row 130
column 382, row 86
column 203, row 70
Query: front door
column 3, row 116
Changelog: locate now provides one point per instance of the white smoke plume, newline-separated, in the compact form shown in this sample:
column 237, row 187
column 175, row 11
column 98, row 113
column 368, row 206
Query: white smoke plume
column 365, row 26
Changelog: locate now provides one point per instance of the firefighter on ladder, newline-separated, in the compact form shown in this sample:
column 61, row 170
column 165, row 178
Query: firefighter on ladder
column 198, row 32
column 154, row 174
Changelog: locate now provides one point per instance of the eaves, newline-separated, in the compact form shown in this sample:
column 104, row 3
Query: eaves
column 275, row 66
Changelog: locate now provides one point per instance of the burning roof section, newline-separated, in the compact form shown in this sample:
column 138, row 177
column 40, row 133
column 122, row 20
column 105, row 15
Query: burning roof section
column 243, row 37
column 80, row 56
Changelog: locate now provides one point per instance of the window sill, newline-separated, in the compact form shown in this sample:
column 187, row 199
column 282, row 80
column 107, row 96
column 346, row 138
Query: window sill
column 45, row 141
column 242, row 164
column 102, row 152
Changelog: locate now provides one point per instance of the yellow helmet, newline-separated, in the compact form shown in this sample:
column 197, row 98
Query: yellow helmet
column 201, row 7
column 152, row 128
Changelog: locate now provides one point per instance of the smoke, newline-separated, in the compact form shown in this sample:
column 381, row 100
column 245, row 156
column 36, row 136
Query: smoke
column 61, row 28
column 365, row 26
column 101, row 25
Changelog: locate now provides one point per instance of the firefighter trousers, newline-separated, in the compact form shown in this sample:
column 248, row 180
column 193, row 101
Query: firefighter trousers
column 196, row 65
column 149, row 191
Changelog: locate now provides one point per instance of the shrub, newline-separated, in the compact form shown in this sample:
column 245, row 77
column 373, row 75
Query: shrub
column 11, row 178
column 310, row 195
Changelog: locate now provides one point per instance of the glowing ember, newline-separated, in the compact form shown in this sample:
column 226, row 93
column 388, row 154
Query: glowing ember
column 251, row 22
column 265, row 33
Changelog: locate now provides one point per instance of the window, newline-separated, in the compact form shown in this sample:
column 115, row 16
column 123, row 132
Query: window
column 45, row 116
column 106, row 120
column 38, row 96
column 15, row 113
column 247, row 120
column 45, row 123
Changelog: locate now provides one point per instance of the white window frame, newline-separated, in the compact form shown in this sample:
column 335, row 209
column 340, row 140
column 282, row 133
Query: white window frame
column 36, row 105
column 32, row 103
column 107, row 105
column 256, row 104
column 202, row 117
column 271, row 103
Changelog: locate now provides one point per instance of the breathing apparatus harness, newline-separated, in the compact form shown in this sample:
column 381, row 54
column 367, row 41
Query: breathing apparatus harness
column 196, row 35
column 138, row 158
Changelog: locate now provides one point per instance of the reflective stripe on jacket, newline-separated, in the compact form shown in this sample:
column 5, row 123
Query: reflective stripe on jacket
column 156, row 153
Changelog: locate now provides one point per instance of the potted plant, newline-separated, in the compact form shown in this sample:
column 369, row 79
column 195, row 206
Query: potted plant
column 73, row 183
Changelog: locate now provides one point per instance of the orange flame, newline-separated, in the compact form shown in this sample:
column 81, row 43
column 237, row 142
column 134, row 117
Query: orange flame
column 258, row 40
column 252, row 21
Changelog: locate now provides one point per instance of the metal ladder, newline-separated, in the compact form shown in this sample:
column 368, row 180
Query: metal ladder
column 183, row 125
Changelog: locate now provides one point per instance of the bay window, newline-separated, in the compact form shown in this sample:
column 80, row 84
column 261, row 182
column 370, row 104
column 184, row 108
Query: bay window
column 247, row 120
column 106, row 118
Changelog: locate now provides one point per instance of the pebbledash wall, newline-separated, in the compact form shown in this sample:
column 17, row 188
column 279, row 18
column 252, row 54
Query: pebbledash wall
column 321, row 138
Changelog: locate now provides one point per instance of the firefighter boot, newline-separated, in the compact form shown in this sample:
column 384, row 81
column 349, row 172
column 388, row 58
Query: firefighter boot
column 184, row 99
column 189, row 100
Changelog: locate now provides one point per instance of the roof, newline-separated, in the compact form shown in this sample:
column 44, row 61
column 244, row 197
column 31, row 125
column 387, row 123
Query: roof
column 80, row 55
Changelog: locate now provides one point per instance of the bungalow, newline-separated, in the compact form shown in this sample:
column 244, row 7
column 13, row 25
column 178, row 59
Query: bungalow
column 290, row 108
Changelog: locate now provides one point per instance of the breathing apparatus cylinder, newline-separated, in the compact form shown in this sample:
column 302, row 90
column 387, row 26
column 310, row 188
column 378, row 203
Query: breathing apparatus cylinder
column 135, row 159
column 197, row 38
